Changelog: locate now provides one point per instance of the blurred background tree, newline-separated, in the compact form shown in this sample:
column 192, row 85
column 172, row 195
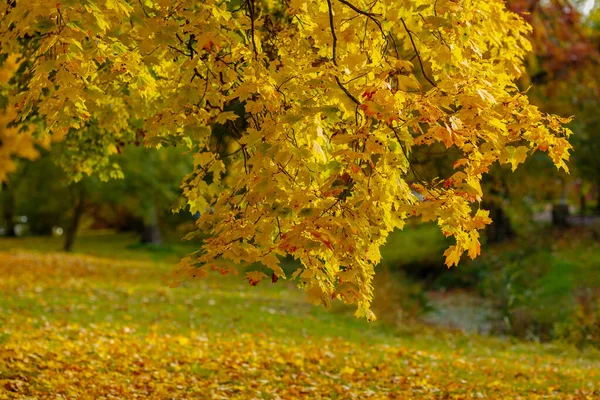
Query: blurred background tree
column 42, row 201
column 563, row 77
column 149, row 188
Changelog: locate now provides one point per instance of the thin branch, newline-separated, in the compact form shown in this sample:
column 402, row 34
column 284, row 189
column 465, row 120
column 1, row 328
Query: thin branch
column 144, row 9
column 369, row 15
column 412, row 168
column 62, row 19
column 239, row 8
column 278, row 87
column 205, row 90
column 354, row 99
column 286, row 81
column 330, row 207
column 282, row 169
column 332, row 27
column 417, row 51
column 278, row 227
column 355, row 78
column 252, row 27
column 334, row 54
column 152, row 51
column 196, row 74
column 395, row 45
column 190, row 46
column 208, row 69
column 178, row 50
column 243, row 148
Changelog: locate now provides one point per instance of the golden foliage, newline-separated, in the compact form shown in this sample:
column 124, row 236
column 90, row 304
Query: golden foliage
column 302, row 115
column 14, row 141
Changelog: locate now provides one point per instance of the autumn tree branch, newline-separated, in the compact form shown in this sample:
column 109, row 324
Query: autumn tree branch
column 251, row 10
column 412, row 41
column 334, row 54
column 405, row 152
column 367, row 14
column 144, row 9
column 332, row 27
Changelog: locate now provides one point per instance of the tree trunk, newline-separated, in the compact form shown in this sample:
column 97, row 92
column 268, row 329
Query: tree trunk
column 560, row 211
column 151, row 235
column 560, row 215
column 9, row 212
column 151, row 231
column 582, row 207
column 500, row 229
column 74, row 223
column 597, row 208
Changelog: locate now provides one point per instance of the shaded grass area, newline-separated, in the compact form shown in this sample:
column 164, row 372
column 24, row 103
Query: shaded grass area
column 87, row 327
column 546, row 286
column 106, row 244
column 543, row 286
column 421, row 244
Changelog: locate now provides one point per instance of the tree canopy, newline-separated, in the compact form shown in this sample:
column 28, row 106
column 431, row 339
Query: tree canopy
column 301, row 116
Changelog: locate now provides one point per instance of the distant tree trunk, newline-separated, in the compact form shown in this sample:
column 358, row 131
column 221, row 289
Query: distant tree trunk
column 500, row 229
column 560, row 211
column 79, row 200
column 582, row 206
column 151, row 231
column 597, row 208
column 560, row 215
column 9, row 211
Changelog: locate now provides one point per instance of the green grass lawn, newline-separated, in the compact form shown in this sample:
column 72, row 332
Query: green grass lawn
column 105, row 244
column 107, row 326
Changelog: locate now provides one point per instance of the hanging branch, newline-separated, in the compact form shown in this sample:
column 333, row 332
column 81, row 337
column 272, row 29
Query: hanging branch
column 251, row 10
column 367, row 14
column 332, row 27
column 334, row 54
column 144, row 9
column 405, row 152
column 417, row 51
column 196, row 74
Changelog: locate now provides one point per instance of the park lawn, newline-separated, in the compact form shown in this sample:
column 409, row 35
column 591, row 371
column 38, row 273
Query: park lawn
column 84, row 326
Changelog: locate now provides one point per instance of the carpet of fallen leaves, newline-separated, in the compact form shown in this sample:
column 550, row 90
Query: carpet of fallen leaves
column 79, row 327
